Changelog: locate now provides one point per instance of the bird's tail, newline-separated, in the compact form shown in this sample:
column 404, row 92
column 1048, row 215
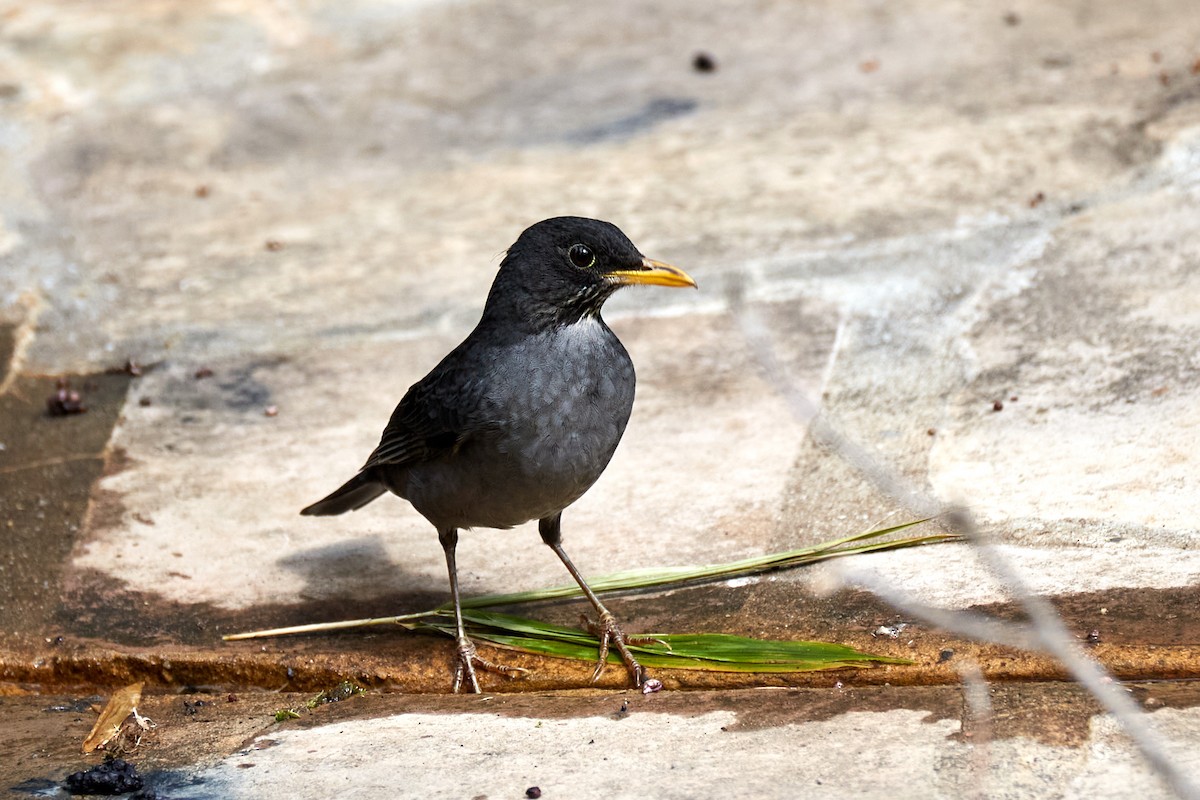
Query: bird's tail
column 353, row 495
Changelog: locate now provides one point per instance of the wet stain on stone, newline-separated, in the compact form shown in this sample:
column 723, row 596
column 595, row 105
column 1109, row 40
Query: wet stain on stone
column 242, row 388
column 1124, row 616
column 97, row 606
column 47, row 466
column 655, row 112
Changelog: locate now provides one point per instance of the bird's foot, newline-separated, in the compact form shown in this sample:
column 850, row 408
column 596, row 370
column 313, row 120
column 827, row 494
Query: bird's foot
column 468, row 659
column 610, row 634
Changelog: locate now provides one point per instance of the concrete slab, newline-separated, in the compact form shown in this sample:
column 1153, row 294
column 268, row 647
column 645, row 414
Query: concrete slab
column 968, row 228
column 846, row 742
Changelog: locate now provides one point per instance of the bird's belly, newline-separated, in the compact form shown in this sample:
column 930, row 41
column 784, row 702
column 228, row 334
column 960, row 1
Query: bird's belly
column 499, row 487
column 535, row 465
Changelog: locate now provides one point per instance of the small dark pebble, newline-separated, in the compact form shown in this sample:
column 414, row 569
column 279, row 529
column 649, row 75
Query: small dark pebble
column 145, row 402
column 115, row 776
column 703, row 62
column 945, row 656
column 998, row 406
column 1037, row 199
column 931, row 431
column 1093, row 637
column 533, row 791
column 64, row 401
column 202, row 373
column 1012, row 399
column 191, row 707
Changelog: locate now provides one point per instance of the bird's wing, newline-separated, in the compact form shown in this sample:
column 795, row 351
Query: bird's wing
column 435, row 416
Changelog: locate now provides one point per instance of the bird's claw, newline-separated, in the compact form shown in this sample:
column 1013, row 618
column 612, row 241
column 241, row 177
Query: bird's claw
column 468, row 659
column 610, row 634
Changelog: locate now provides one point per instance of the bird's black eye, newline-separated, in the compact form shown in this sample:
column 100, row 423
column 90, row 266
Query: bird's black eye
column 581, row 256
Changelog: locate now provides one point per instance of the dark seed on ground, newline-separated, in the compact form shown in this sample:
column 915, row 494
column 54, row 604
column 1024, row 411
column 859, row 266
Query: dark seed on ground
column 703, row 62
column 64, row 401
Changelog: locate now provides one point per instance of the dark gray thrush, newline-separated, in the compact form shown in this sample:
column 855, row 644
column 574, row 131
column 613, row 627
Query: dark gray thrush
column 519, row 420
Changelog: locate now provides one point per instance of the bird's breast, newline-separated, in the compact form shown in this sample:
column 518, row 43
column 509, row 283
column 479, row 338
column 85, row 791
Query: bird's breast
column 558, row 403
column 568, row 409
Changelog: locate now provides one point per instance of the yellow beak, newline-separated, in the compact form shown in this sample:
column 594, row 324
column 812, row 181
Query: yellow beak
column 654, row 273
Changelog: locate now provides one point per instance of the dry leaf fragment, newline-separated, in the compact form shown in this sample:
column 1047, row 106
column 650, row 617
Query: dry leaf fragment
column 120, row 706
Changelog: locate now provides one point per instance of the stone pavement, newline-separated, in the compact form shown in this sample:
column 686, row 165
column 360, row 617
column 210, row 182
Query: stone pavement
column 970, row 228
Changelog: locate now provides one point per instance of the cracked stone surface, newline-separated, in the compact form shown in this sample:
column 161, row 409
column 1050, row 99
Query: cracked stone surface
column 969, row 230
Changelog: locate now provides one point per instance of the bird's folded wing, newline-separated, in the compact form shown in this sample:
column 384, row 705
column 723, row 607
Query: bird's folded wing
column 426, row 424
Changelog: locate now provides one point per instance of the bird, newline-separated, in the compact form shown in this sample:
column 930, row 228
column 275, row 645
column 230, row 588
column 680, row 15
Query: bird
column 519, row 420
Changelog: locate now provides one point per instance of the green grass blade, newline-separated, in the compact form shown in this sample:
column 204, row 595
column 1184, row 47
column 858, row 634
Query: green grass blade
column 629, row 580
column 700, row 651
column 683, row 651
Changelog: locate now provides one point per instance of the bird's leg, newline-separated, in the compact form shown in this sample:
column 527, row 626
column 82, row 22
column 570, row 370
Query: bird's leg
column 467, row 657
column 605, row 628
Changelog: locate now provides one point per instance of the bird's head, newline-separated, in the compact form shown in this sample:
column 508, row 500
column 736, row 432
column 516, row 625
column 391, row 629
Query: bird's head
column 563, row 269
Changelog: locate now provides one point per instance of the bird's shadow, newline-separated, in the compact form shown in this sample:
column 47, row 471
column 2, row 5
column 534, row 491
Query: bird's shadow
column 357, row 578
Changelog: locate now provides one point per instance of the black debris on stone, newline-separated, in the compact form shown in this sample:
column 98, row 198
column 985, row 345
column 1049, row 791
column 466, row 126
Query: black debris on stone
column 64, row 401
column 114, row 776
column 704, row 62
